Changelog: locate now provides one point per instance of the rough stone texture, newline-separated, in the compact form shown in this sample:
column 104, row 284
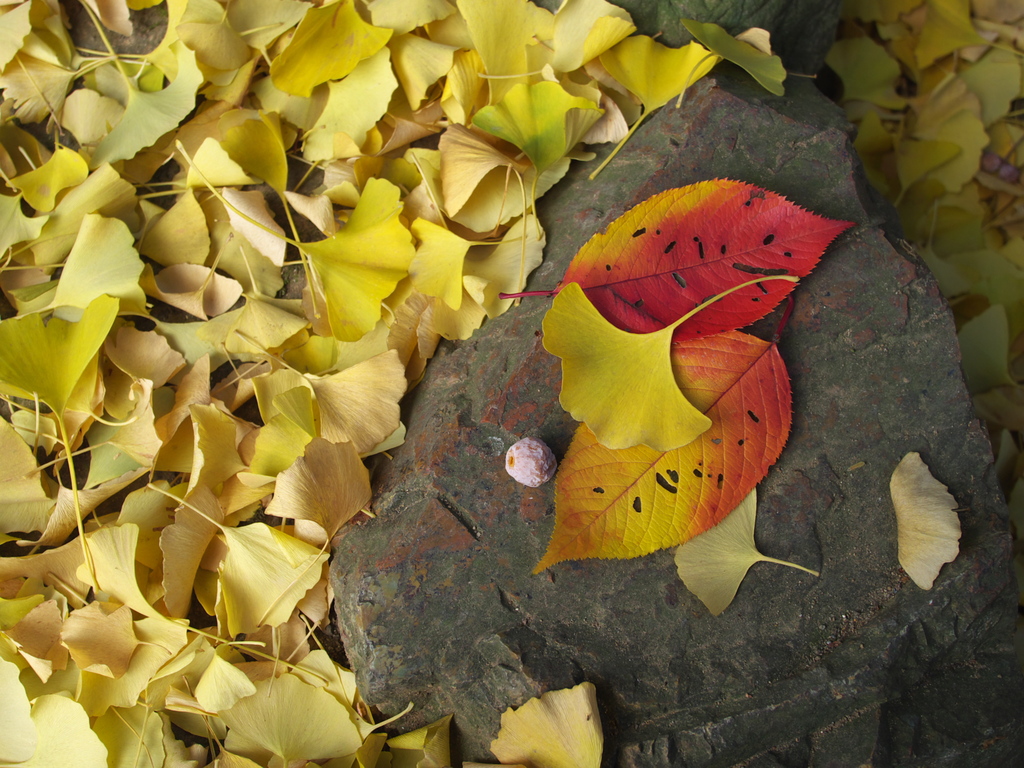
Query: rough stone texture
column 858, row 667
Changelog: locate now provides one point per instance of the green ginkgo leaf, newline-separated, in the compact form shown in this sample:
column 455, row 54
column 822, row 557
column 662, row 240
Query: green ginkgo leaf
column 47, row 360
column 763, row 67
column 544, row 120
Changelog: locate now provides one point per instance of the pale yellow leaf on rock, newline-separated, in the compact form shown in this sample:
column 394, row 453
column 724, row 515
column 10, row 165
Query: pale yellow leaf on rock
column 262, row 577
column 328, row 485
column 354, row 105
column 713, row 564
column 360, row 404
column 179, row 236
column 101, row 638
column 927, row 526
column 20, row 739
column 561, row 729
column 292, row 721
column 102, row 261
column 65, row 736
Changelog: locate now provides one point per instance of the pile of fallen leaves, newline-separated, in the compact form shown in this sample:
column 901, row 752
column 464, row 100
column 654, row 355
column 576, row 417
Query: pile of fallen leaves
column 936, row 90
column 182, row 438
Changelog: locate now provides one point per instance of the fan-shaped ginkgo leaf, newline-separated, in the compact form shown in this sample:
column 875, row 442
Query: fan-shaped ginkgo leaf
column 668, row 254
column 626, row 503
column 621, row 384
column 361, row 265
column 560, row 729
column 713, row 565
column 928, row 529
column 47, row 360
column 763, row 67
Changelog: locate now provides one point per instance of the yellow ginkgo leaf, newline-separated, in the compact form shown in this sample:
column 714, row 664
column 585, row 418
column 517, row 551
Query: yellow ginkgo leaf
column 542, row 119
column 362, row 264
column 762, row 66
column 655, row 74
column 102, row 261
column 113, row 553
column 133, row 736
column 179, row 236
column 258, row 147
column 419, row 64
column 466, row 157
column 927, row 526
column 15, row 226
column 291, row 721
column 222, row 684
column 620, row 384
column 437, row 268
column 20, row 738
column 428, row 745
column 266, row 236
column 327, row 45
column 561, row 729
column 193, row 288
column 24, row 500
column 148, row 116
column 48, row 360
column 328, row 484
column 65, row 168
column 264, row 574
column 713, row 564
column 101, row 638
column 584, row 29
column 183, row 544
column 65, row 735
column 212, row 165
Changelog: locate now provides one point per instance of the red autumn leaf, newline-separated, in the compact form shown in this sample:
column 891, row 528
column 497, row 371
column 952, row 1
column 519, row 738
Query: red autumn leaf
column 626, row 503
column 675, row 250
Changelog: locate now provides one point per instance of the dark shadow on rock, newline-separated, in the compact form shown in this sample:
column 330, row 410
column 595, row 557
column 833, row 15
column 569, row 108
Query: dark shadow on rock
column 436, row 601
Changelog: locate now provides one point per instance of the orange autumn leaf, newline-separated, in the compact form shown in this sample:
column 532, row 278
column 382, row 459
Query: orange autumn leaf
column 627, row 503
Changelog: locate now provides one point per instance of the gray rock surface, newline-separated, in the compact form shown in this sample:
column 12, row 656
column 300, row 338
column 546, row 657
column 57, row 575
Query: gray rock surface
column 436, row 601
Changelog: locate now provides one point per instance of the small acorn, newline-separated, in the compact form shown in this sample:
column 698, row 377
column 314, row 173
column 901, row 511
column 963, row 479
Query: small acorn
column 530, row 462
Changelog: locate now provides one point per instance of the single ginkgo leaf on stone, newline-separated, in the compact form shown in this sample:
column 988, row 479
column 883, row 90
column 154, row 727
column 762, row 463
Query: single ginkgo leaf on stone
column 620, row 384
column 101, row 638
column 927, row 526
column 291, row 721
column 713, row 564
column 48, row 360
column 428, row 745
column 561, row 729
column 328, row 485
column 763, row 67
